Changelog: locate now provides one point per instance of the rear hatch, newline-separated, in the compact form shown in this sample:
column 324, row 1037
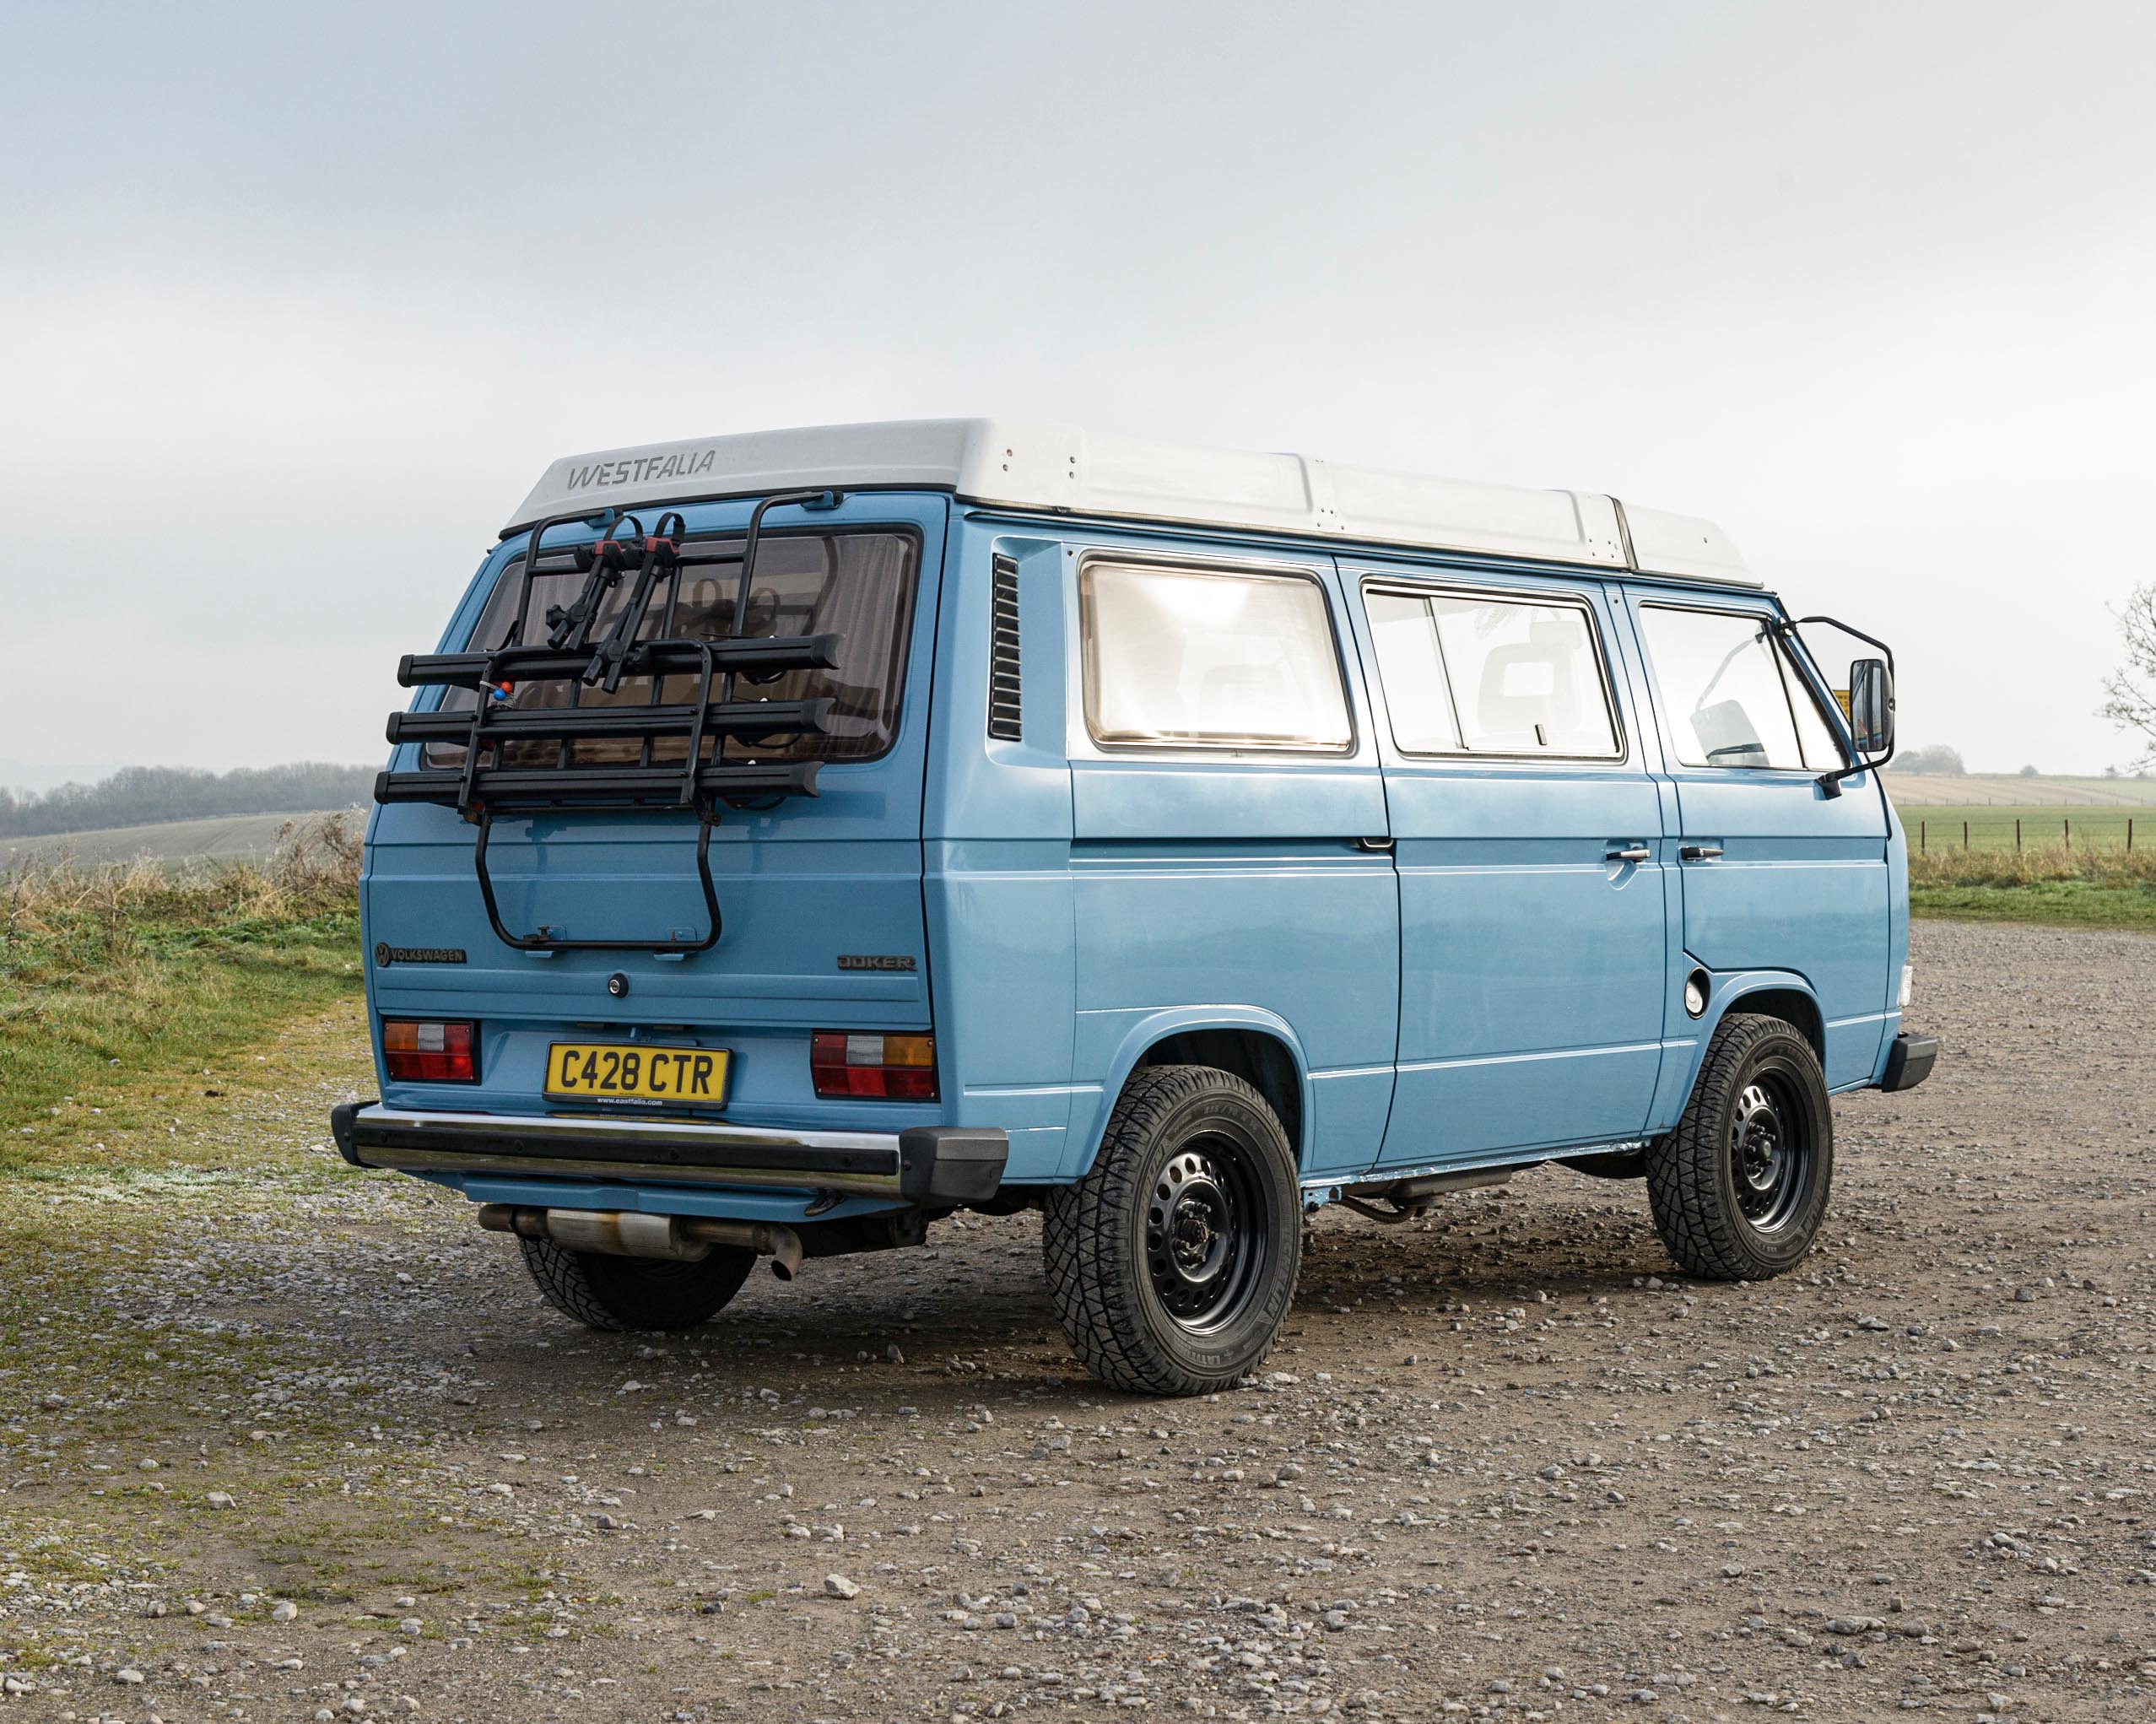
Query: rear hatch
column 819, row 894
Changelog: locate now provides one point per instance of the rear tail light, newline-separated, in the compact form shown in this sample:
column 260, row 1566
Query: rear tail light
column 422, row 1052
column 888, row 1067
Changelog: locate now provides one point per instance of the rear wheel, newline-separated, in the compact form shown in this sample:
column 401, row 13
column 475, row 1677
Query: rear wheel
column 1173, row 1262
column 1739, row 1189
column 604, row 1292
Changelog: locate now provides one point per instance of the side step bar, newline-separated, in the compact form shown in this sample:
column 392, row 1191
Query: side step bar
column 935, row 1166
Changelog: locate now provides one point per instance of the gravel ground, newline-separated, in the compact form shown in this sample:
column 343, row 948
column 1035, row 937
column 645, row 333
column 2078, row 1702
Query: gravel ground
column 282, row 1441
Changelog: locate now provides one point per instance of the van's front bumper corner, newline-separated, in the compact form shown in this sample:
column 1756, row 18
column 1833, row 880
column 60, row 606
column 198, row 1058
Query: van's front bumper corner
column 1909, row 1061
column 933, row 1166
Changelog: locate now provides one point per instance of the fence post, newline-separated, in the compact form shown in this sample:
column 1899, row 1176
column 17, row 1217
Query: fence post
column 2016, row 836
column 2129, row 835
column 1965, row 834
column 1920, row 825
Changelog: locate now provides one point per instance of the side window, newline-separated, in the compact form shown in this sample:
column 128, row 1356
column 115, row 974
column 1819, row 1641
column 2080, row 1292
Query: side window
column 1184, row 657
column 1416, row 690
column 1732, row 697
column 1822, row 752
column 1474, row 673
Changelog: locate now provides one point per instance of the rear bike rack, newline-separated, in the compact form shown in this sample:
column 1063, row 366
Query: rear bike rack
column 484, row 788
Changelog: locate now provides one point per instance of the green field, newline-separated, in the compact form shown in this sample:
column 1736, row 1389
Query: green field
column 2029, row 826
column 1999, row 812
column 2003, row 792
column 229, row 838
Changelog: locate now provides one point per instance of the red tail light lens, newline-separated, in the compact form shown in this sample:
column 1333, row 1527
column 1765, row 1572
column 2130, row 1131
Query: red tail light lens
column 422, row 1052
column 885, row 1068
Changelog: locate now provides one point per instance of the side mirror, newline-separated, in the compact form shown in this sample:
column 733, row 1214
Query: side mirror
column 1871, row 706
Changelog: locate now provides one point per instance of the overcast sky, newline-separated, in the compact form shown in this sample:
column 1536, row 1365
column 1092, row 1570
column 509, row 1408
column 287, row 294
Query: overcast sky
column 295, row 302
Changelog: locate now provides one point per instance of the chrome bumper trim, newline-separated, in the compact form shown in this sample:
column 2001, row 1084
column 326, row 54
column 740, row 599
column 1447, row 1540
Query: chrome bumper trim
column 670, row 1151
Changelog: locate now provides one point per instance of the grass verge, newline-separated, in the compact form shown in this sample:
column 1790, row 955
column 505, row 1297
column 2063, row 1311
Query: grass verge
column 115, row 983
column 2055, row 886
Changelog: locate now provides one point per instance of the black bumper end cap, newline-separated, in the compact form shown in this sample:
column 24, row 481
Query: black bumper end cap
column 341, row 1129
column 941, row 1164
column 1910, row 1061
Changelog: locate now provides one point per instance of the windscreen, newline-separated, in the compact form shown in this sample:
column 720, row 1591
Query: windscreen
column 857, row 586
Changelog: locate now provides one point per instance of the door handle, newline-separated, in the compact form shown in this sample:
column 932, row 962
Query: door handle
column 1630, row 853
column 1376, row 846
column 1697, row 853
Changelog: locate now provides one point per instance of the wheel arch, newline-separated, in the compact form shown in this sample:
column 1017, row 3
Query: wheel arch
column 1254, row 1044
column 1772, row 994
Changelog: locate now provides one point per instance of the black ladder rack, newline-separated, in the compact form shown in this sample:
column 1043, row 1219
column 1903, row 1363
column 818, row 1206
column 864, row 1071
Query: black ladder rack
column 484, row 787
column 483, row 781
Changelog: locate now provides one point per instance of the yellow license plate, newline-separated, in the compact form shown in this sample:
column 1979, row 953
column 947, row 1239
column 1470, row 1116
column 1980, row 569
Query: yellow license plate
column 683, row 1077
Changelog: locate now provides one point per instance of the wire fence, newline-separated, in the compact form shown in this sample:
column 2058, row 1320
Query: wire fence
column 1930, row 833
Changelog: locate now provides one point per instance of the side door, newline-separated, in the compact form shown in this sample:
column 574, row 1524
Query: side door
column 1775, row 875
column 1528, row 835
column 1228, row 856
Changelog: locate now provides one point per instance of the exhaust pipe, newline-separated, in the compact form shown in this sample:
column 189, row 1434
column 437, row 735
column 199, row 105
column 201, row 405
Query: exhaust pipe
column 631, row 1233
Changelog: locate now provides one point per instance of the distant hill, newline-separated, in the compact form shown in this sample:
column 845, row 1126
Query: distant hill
column 141, row 796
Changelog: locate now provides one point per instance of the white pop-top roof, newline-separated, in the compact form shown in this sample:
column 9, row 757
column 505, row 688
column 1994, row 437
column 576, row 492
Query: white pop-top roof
column 1059, row 468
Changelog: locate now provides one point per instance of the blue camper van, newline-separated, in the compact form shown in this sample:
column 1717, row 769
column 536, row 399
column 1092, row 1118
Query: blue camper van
column 799, row 836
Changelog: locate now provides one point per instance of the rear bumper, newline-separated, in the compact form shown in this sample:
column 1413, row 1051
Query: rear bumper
column 926, row 1164
column 1910, row 1061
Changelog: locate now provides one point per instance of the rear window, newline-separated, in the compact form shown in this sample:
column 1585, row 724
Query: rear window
column 858, row 586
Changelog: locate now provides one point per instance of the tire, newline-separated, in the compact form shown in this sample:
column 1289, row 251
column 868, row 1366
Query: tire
column 1173, row 1263
column 603, row 1292
column 1739, row 1189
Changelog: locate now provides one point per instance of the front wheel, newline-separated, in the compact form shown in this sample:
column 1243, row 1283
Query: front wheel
column 1739, row 1189
column 1173, row 1262
column 603, row 1292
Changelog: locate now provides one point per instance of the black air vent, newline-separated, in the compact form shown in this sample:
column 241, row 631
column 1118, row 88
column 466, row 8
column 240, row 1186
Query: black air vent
column 1003, row 709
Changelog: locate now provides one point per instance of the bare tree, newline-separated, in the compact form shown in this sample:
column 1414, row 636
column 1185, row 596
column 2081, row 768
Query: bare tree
column 2132, row 687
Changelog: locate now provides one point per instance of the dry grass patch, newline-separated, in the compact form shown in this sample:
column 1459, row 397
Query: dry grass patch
column 118, row 983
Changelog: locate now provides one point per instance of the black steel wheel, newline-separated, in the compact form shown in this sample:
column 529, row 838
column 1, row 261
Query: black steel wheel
column 1173, row 1262
column 1739, row 1189
column 1768, row 1147
column 1205, row 1227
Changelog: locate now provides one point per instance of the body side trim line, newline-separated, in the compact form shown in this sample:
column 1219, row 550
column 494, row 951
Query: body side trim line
column 1531, row 1158
column 1518, row 1059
